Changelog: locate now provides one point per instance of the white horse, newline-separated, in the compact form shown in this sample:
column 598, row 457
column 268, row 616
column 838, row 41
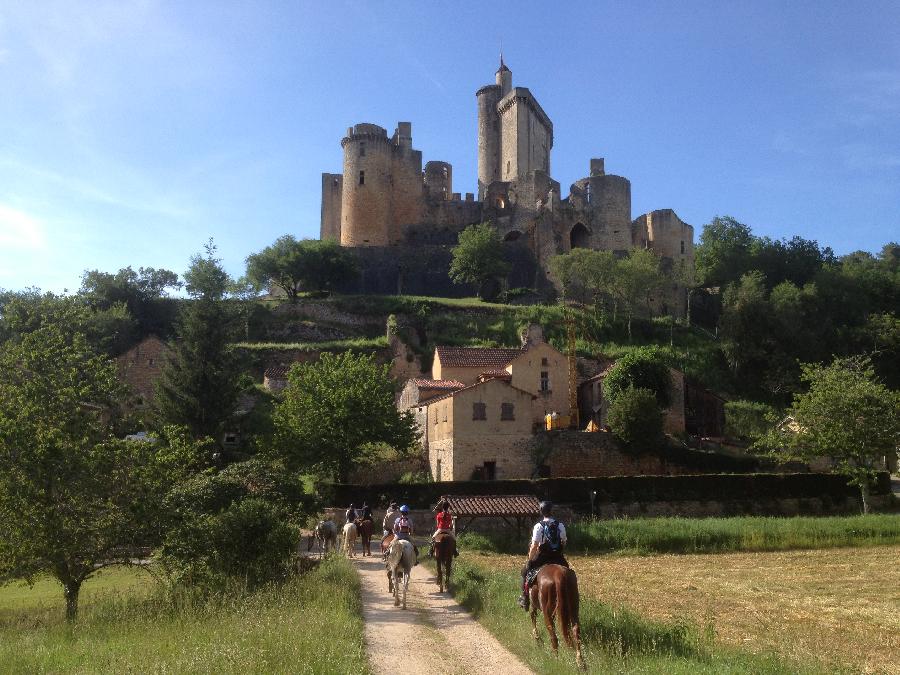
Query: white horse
column 400, row 559
column 325, row 537
column 349, row 539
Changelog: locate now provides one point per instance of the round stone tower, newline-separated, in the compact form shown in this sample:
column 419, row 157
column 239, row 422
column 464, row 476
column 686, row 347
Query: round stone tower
column 489, row 130
column 439, row 180
column 366, row 194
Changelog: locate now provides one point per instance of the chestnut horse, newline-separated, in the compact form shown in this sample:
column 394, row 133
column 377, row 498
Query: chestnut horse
column 364, row 530
column 444, row 544
column 555, row 593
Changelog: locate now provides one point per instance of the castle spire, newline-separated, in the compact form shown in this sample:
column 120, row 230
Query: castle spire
column 504, row 76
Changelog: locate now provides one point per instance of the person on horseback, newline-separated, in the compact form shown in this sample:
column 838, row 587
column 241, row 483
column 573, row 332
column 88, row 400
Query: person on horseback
column 388, row 524
column 444, row 520
column 350, row 515
column 366, row 512
column 403, row 528
column 548, row 539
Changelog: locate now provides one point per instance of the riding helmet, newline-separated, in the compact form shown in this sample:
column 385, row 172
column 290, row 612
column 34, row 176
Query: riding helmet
column 404, row 509
column 546, row 508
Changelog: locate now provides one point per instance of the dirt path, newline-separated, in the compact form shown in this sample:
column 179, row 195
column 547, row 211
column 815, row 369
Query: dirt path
column 434, row 634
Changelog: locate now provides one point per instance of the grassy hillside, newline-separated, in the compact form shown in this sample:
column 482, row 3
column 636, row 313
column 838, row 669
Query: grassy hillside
column 427, row 322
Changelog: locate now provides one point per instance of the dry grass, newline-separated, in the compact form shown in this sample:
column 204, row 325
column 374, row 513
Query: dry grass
column 840, row 607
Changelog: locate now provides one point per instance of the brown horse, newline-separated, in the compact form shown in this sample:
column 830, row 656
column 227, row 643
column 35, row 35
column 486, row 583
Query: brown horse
column 364, row 530
column 555, row 593
column 444, row 544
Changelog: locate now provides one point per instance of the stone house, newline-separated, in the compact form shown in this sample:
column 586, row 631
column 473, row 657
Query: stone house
column 275, row 378
column 536, row 367
column 140, row 367
column 482, row 405
column 480, row 431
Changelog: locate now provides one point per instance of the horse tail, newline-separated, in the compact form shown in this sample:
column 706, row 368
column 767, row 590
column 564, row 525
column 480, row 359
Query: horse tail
column 567, row 604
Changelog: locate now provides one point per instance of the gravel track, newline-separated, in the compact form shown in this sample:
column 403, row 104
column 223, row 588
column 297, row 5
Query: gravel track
column 434, row 634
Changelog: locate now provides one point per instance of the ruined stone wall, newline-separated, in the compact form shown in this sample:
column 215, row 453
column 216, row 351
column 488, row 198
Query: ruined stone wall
column 141, row 366
column 332, row 193
column 438, row 180
column 408, row 190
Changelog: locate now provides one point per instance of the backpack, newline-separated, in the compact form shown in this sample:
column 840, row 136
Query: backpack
column 551, row 536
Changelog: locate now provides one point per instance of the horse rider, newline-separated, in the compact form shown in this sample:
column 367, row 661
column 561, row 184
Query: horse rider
column 548, row 539
column 403, row 529
column 388, row 524
column 351, row 513
column 444, row 521
column 366, row 512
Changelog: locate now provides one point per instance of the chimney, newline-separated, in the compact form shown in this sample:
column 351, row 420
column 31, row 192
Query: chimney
column 533, row 335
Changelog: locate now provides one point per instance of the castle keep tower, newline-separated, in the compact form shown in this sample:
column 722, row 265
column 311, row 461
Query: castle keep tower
column 515, row 135
column 382, row 186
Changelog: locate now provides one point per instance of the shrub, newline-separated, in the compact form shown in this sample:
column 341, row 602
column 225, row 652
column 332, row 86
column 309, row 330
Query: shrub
column 644, row 368
column 636, row 420
column 747, row 420
column 237, row 523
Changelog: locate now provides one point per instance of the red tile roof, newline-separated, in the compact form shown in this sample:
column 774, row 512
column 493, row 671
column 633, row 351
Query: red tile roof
column 472, row 386
column 438, row 384
column 476, row 357
column 494, row 505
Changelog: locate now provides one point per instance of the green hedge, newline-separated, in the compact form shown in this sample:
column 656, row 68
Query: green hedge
column 576, row 491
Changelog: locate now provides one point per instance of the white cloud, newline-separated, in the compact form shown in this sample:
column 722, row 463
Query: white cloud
column 19, row 230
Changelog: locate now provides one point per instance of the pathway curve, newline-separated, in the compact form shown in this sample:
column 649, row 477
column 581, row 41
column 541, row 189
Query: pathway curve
column 434, row 635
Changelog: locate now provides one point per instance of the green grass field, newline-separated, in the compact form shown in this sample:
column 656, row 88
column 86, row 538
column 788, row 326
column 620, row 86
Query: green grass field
column 647, row 536
column 127, row 623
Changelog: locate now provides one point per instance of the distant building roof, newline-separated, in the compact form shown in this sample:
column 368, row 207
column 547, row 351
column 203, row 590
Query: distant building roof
column 488, row 358
column 438, row 385
column 480, row 383
column 494, row 505
column 276, row 372
column 502, row 374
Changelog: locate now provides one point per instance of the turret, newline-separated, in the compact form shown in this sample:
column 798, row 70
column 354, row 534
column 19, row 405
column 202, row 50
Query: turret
column 439, row 180
column 504, row 78
column 366, row 193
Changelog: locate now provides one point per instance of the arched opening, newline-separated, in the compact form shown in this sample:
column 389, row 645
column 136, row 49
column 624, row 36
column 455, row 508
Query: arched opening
column 500, row 203
column 579, row 237
column 512, row 236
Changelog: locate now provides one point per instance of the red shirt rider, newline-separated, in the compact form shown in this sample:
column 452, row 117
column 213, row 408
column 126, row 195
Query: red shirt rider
column 444, row 520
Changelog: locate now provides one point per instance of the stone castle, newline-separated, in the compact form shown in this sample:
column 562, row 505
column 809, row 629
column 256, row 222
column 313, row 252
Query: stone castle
column 384, row 199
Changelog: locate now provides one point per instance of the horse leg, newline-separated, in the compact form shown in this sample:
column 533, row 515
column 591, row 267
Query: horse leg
column 405, row 586
column 579, row 657
column 533, row 612
column 397, row 589
column 549, row 606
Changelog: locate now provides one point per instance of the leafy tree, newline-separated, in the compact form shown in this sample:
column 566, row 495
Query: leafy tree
column 585, row 274
column 723, row 253
column 479, row 259
column 848, row 415
column 643, row 368
column 110, row 330
column 336, row 412
column 199, row 384
column 747, row 420
column 637, row 278
column 293, row 265
column 144, row 293
column 73, row 498
column 636, row 419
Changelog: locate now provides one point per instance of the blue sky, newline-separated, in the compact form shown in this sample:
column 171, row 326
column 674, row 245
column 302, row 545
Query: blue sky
column 132, row 131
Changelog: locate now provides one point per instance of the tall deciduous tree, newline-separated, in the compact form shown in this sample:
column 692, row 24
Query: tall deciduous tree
column 638, row 277
column 848, row 415
column 293, row 265
column 479, row 259
column 72, row 497
column 644, row 368
column 336, row 412
column 199, row 386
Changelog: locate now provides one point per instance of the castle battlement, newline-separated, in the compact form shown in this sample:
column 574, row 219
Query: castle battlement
column 384, row 197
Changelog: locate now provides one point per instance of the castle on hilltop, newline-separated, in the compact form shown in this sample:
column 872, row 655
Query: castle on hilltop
column 401, row 219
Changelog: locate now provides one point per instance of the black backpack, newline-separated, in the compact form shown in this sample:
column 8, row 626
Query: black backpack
column 552, row 539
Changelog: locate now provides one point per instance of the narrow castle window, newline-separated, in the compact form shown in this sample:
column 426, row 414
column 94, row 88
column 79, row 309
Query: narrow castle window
column 545, row 381
column 362, row 149
column 682, row 248
column 507, row 167
column 437, row 472
column 362, row 177
column 587, row 193
column 507, row 412
column 479, row 410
